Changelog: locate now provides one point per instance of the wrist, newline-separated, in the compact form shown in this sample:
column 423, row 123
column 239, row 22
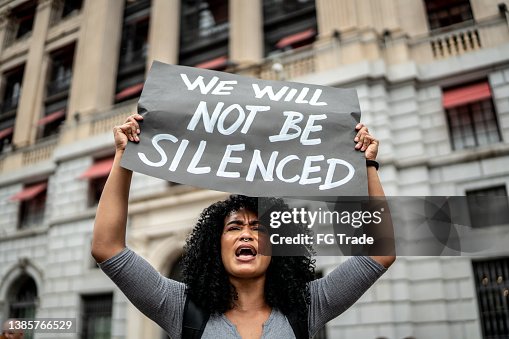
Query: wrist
column 372, row 163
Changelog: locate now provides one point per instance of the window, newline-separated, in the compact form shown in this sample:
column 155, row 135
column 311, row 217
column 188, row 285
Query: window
column 288, row 24
column 57, row 91
column 22, row 300
column 12, row 90
column 10, row 97
column 21, row 21
column 492, row 285
column 133, row 50
column 32, row 204
column 443, row 13
column 204, row 28
column 488, row 206
column 97, row 174
column 471, row 116
column 6, row 138
column 96, row 316
column 71, row 7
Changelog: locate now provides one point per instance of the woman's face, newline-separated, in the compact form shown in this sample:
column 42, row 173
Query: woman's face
column 241, row 242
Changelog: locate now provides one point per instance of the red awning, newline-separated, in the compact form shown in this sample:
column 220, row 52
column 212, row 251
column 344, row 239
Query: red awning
column 129, row 91
column 216, row 63
column 6, row 132
column 51, row 117
column 30, row 192
column 465, row 95
column 296, row 38
column 99, row 169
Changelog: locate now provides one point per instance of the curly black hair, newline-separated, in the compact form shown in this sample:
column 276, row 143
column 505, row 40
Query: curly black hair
column 287, row 277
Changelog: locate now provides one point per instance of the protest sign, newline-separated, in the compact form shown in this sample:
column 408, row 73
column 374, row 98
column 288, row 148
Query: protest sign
column 243, row 135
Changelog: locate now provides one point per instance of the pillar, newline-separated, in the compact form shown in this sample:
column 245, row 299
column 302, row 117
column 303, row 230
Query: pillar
column 96, row 57
column 246, row 31
column 30, row 105
column 164, row 31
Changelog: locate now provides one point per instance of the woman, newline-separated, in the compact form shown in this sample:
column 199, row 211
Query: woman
column 246, row 294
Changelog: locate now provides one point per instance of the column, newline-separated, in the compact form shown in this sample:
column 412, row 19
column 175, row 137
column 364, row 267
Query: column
column 30, row 104
column 164, row 31
column 339, row 15
column 96, row 57
column 246, row 31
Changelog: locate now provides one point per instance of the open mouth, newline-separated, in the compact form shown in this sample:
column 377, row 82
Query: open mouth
column 245, row 251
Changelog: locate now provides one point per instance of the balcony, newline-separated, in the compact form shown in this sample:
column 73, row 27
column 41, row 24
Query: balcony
column 367, row 45
column 29, row 156
column 103, row 122
column 459, row 40
column 456, row 43
column 286, row 65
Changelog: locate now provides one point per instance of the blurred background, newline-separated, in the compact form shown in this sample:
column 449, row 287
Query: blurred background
column 432, row 78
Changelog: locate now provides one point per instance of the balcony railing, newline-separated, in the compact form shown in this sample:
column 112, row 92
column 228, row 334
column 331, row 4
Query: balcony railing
column 42, row 150
column 103, row 122
column 460, row 40
column 286, row 65
column 456, row 43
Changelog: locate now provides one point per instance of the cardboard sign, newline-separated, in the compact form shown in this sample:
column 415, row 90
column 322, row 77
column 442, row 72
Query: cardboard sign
column 242, row 135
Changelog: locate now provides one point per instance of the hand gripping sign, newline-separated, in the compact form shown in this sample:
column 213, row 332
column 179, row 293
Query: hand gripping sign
column 255, row 137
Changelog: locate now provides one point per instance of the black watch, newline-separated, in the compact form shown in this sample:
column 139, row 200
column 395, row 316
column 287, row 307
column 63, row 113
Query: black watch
column 373, row 163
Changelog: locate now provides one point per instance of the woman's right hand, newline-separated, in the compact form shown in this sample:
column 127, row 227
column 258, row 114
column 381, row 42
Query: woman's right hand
column 129, row 130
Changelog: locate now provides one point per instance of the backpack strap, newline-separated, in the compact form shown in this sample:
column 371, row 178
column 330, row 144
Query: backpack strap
column 299, row 327
column 194, row 321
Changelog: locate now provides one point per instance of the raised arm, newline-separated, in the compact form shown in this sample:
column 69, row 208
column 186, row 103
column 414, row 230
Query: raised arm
column 383, row 232
column 110, row 222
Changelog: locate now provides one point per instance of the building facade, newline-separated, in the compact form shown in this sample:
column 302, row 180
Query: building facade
column 433, row 84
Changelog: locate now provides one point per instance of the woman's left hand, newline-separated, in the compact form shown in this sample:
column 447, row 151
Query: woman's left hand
column 366, row 142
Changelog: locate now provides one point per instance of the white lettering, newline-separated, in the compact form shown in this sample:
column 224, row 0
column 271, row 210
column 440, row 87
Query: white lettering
column 221, row 171
column 159, row 149
column 204, row 89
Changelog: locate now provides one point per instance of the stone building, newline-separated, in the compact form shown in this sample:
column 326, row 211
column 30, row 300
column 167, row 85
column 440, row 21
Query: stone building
column 433, row 83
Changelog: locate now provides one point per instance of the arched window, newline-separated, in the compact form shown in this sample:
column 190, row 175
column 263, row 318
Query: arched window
column 22, row 298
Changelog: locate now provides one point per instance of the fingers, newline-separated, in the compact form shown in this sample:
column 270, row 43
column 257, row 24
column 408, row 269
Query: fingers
column 361, row 130
column 367, row 140
column 363, row 139
column 131, row 128
column 360, row 138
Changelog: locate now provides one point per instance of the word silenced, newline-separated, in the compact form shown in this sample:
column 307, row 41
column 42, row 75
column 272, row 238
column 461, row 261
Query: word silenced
column 237, row 154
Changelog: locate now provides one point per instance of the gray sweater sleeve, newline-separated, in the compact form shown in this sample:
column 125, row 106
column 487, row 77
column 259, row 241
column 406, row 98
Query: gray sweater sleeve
column 336, row 292
column 159, row 298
